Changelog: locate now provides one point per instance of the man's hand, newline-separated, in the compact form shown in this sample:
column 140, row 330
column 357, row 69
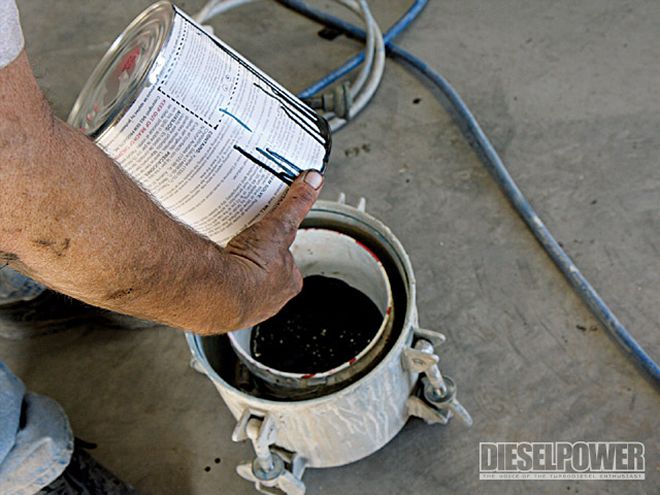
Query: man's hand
column 261, row 256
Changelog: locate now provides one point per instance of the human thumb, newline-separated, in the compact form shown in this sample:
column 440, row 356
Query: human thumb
column 297, row 202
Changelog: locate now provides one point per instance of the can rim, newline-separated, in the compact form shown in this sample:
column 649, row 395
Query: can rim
column 99, row 73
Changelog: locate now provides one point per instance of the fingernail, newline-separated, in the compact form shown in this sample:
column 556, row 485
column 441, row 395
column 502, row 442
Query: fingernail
column 313, row 178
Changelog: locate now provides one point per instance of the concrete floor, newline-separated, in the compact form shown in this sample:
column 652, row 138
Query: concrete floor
column 568, row 91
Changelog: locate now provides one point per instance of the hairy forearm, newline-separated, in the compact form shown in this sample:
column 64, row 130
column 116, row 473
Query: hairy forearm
column 71, row 219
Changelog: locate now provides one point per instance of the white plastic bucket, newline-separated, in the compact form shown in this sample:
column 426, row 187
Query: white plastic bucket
column 335, row 255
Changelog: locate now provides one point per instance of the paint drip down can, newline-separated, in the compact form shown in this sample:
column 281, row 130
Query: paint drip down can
column 205, row 133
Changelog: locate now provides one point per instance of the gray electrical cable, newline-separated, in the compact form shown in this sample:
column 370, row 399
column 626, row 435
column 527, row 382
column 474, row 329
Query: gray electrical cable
column 217, row 7
column 361, row 11
column 376, row 75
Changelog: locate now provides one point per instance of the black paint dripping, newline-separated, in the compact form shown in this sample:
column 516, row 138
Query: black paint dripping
column 285, row 160
column 281, row 162
column 286, row 177
column 299, row 120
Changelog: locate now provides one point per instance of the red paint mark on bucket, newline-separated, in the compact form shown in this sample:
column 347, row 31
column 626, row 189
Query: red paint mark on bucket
column 308, row 375
column 128, row 62
column 389, row 310
column 366, row 248
column 352, row 360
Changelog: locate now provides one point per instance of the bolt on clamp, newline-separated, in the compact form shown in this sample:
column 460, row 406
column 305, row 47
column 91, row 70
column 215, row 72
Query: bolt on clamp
column 274, row 470
column 438, row 402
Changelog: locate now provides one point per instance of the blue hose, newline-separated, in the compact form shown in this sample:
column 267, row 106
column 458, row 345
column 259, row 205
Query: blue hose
column 397, row 28
column 496, row 167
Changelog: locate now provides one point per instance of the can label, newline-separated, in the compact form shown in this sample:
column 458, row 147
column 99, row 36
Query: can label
column 212, row 138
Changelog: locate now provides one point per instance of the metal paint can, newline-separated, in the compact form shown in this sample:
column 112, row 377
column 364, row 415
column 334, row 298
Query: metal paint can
column 205, row 133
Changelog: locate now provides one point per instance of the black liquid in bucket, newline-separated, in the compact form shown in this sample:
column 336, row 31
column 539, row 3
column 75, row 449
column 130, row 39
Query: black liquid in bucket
column 324, row 326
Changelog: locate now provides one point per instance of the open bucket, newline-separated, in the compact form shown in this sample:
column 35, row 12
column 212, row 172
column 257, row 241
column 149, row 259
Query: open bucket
column 338, row 256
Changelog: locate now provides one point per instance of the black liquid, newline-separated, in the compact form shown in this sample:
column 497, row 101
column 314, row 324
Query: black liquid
column 324, row 326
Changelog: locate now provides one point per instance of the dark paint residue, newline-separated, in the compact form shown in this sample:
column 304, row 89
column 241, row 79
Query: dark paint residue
column 326, row 325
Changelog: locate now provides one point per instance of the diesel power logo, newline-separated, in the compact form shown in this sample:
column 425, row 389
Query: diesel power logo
column 561, row 460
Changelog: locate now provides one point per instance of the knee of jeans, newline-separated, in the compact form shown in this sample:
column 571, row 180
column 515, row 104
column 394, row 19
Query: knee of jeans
column 16, row 287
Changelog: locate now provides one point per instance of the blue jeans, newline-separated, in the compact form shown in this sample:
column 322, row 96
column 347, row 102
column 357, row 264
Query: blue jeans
column 36, row 441
column 15, row 287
